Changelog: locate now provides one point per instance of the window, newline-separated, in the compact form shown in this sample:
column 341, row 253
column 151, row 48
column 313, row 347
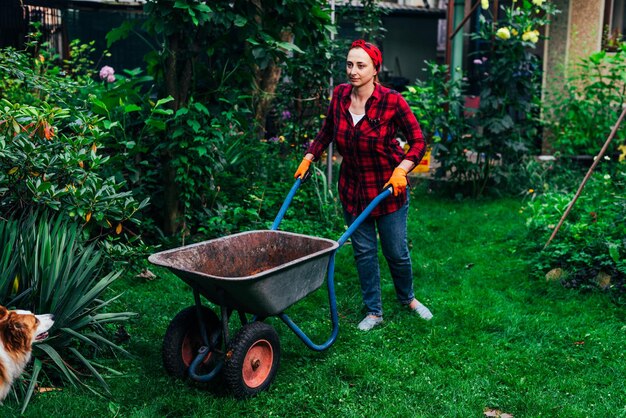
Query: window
column 614, row 24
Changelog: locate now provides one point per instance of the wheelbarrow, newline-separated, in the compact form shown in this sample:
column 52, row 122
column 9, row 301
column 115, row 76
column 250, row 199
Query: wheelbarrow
column 260, row 273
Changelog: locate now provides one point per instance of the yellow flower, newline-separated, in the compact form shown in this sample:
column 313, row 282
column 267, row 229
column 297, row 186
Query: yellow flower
column 622, row 156
column 503, row 33
column 531, row 35
column 514, row 32
column 484, row 4
column 531, row 191
column 537, row 2
column 322, row 116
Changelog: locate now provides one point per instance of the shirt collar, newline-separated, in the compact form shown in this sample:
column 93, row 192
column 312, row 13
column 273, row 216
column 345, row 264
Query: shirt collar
column 376, row 94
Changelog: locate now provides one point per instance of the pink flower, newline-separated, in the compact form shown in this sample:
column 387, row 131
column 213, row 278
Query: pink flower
column 107, row 73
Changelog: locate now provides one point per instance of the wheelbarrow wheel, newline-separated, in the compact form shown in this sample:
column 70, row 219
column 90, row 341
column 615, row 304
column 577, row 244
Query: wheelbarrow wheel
column 183, row 339
column 252, row 359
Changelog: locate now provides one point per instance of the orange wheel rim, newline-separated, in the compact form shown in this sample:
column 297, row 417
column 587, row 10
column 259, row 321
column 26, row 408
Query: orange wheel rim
column 189, row 350
column 258, row 363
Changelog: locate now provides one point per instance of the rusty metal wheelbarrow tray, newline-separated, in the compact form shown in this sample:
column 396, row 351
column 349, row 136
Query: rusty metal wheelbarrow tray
column 258, row 272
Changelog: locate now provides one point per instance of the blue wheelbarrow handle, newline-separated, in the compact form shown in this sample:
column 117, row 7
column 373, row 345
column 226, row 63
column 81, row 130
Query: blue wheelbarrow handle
column 366, row 212
column 358, row 221
column 331, row 268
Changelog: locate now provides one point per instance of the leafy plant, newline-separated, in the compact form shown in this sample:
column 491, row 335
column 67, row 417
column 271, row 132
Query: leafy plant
column 221, row 55
column 591, row 240
column 51, row 270
column 509, row 85
column 438, row 103
column 49, row 158
column 582, row 115
column 488, row 147
column 368, row 19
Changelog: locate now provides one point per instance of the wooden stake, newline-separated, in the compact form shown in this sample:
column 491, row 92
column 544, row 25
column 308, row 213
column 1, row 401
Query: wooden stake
column 593, row 166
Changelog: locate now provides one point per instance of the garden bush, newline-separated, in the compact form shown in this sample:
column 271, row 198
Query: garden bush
column 582, row 114
column 438, row 104
column 49, row 158
column 52, row 152
column 589, row 250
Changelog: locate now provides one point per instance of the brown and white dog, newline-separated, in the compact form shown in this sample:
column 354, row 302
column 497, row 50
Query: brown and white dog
column 18, row 331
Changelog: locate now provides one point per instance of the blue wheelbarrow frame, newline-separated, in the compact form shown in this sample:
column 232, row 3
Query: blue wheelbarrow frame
column 254, row 292
column 331, row 266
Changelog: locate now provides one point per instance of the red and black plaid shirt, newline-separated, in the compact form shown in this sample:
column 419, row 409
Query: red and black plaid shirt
column 370, row 151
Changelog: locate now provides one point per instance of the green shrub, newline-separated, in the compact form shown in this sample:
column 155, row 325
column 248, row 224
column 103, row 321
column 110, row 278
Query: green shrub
column 509, row 82
column 438, row 105
column 591, row 239
column 49, row 158
column 582, row 115
column 47, row 268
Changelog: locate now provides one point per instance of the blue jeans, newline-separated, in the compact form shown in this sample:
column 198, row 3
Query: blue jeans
column 392, row 232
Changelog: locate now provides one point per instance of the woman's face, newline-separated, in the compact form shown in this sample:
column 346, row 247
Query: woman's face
column 360, row 68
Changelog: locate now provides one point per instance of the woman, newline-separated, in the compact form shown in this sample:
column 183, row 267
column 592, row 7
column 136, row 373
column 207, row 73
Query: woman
column 363, row 119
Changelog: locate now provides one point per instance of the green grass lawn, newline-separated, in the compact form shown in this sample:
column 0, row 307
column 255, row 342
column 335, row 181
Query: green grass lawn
column 498, row 340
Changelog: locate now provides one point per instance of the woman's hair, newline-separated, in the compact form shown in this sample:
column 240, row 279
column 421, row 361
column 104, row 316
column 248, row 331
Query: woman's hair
column 373, row 52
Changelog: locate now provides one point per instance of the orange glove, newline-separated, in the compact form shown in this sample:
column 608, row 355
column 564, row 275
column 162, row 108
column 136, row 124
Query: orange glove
column 397, row 181
column 302, row 168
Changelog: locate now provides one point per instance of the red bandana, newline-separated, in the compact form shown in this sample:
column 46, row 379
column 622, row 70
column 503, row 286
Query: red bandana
column 372, row 51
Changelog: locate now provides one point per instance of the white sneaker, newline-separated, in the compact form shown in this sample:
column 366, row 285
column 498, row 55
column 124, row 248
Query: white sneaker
column 422, row 311
column 369, row 322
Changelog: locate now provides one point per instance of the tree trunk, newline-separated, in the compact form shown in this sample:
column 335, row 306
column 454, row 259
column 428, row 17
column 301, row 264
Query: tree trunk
column 267, row 81
column 171, row 199
column 178, row 77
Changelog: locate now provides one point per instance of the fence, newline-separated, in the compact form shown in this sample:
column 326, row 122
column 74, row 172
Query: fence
column 62, row 21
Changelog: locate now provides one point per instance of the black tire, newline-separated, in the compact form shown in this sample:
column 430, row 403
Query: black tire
column 252, row 360
column 183, row 339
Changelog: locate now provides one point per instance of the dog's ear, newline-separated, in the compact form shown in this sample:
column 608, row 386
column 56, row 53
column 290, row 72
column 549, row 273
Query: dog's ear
column 4, row 313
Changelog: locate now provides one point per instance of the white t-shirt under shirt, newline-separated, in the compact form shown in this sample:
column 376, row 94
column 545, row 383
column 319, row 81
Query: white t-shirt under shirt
column 356, row 118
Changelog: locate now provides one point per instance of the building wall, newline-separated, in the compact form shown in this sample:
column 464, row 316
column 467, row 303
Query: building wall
column 573, row 34
column 585, row 28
